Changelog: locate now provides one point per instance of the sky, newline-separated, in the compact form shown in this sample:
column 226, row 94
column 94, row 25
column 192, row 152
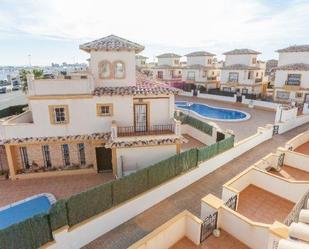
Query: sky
column 51, row 30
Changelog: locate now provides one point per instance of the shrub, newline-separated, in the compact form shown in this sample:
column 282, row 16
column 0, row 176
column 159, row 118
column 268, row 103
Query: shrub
column 207, row 152
column 58, row 215
column 185, row 161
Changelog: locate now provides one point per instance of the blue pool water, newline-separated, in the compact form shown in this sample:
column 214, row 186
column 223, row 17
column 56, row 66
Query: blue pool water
column 23, row 211
column 214, row 113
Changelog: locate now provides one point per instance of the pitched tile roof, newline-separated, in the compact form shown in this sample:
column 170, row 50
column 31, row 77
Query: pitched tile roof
column 241, row 51
column 169, row 55
column 239, row 67
column 111, row 43
column 199, row 53
column 294, row 67
column 144, row 86
column 295, row 48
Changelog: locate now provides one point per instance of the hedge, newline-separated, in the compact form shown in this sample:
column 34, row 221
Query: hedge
column 225, row 144
column 161, row 172
column 89, row 203
column 132, row 185
column 196, row 123
column 207, row 152
column 29, row 234
column 58, row 215
column 12, row 110
column 185, row 161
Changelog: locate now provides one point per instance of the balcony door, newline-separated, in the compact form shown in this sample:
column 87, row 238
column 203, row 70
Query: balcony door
column 140, row 117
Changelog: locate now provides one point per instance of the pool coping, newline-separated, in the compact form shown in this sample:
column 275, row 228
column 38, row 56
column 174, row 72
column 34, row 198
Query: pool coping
column 248, row 116
column 50, row 197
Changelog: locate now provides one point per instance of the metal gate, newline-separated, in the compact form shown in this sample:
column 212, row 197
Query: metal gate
column 281, row 159
column 276, row 130
column 209, row 224
column 232, row 202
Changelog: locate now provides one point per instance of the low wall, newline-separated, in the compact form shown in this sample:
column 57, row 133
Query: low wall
column 290, row 190
column 261, row 104
column 89, row 230
column 216, row 97
column 183, row 224
column 298, row 140
column 199, row 135
column 292, row 123
column 271, row 160
column 253, row 234
column 187, row 94
column 295, row 160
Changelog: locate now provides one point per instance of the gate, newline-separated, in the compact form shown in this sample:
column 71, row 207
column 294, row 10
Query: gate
column 276, row 130
column 281, row 159
column 209, row 224
column 232, row 202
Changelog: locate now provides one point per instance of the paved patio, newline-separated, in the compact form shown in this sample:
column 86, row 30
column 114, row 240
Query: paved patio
column 60, row 186
column 291, row 173
column 192, row 143
column 263, row 206
column 225, row 241
column 189, row 198
column 304, row 148
column 241, row 129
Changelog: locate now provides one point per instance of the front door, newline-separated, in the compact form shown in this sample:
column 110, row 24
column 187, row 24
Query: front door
column 104, row 159
column 140, row 117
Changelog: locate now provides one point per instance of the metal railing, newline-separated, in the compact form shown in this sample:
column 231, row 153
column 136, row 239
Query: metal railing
column 232, row 202
column 144, row 130
column 292, row 83
column 258, row 80
column 294, row 214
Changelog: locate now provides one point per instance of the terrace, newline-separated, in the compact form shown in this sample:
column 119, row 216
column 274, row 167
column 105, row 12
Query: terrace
column 291, row 173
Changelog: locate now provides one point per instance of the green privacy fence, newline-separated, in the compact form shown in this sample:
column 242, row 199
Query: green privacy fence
column 29, row 234
column 36, row 231
column 12, row 110
column 196, row 123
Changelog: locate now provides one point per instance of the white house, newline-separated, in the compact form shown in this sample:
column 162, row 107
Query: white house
column 243, row 72
column 110, row 119
column 168, row 68
column 292, row 74
column 201, row 69
column 140, row 60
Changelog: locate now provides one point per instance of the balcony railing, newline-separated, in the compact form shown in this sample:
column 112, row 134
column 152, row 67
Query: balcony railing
column 212, row 78
column 128, row 131
column 292, row 83
column 258, row 80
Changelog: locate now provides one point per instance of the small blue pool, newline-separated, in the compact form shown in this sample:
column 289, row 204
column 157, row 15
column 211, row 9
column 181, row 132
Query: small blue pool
column 25, row 209
column 213, row 113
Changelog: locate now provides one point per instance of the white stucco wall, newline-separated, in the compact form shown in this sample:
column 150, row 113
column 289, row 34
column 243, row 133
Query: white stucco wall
column 282, row 77
column 242, row 76
column 291, row 58
column 245, row 59
column 83, row 117
column 199, row 74
column 200, row 60
column 168, row 61
column 125, row 56
column 132, row 159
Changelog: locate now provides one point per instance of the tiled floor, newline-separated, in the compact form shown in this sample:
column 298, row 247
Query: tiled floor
column 304, row 148
column 60, row 186
column 263, row 206
column 291, row 173
column 241, row 129
column 188, row 198
column 225, row 241
column 192, row 143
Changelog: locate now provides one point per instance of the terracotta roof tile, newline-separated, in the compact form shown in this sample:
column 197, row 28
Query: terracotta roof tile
column 295, row 48
column 241, row 51
column 199, row 53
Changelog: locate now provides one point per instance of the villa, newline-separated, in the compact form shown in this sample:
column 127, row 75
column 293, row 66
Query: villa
column 168, row 68
column 292, row 74
column 109, row 119
column 243, row 72
column 201, row 69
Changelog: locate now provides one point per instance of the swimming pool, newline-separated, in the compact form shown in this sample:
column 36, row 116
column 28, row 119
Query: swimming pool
column 24, row 209
column 211, row 112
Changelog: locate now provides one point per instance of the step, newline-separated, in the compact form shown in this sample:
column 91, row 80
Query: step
column 304, row 216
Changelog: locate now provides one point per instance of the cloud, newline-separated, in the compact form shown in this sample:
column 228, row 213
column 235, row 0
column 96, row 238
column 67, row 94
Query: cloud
column 212, row 25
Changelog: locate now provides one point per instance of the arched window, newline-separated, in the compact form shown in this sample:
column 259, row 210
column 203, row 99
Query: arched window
column 119, row 70
column 105, row 70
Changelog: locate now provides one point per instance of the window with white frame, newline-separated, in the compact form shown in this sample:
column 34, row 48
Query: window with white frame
column 105, row 70
column 104, row 109
column 119, row 70
column 233, row 77
column 191, row 75
column 59, row 114
column 283, row 95
column 81, row 153
column 293, row 79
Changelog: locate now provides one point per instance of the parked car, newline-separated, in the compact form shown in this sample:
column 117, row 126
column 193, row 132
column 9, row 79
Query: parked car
column 16, row 87
column 2, row 89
